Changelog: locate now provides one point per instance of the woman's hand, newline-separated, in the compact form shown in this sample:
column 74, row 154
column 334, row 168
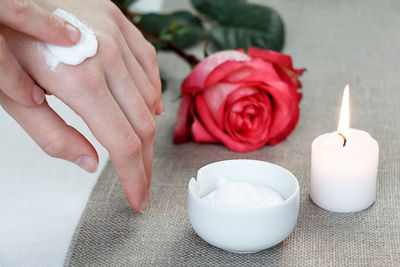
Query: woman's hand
column 27, row 17
column 117, row 93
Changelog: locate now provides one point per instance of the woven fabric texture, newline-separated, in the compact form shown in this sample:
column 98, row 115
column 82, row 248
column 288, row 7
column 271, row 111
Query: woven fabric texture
column 337, row 41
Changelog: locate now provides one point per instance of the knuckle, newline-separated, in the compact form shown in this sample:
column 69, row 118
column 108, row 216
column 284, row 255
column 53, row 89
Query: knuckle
column 55, row 147
column 20, row 5
column 113, row 9
column 153, row 102
column 156, row 81
column 88, row 81
column 48, row 19
column 132, row 146
column 94, row 91
column 111, row 50
column 95, row 87
column 19, row 8
column 52, row 22
column 151, row 53
column 149, row 128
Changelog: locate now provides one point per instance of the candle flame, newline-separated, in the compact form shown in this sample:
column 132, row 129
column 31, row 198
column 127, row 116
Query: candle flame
column 344, row 119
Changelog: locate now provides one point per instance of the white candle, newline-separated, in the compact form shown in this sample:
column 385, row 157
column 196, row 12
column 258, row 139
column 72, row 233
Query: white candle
column 344, row 166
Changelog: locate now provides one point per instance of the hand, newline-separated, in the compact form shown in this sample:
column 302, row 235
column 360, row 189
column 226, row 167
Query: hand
column 117, row 93
column 31, row 19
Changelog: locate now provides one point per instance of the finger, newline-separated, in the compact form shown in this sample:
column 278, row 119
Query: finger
column 145, row 55
column 15, row 82
column 26, row 16
column 98, row 108
column 52, row 134
column 135, row 109
column 150, row 94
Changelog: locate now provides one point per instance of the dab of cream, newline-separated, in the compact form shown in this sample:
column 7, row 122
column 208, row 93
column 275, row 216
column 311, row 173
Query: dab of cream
column 72, row 55
column 242, row 196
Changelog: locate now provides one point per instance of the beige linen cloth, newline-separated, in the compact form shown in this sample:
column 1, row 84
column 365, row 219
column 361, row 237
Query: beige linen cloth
column 337, row 41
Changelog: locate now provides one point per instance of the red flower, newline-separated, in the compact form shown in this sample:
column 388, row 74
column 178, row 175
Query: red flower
column 242, row 100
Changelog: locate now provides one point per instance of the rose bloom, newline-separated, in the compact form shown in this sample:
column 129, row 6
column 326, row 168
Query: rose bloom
column 242, row 100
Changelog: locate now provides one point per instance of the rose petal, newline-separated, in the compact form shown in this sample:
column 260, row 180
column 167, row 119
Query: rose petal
column 230, row 72
column 215, row 96
column 239, row 74
column 200, row 134
column 283, row 66
column 236, row 72
column 285, row 77
column 241, row 92
column 221, row 114
column 271, row 56
column 285, row 106
column 195, row 81
column 293, row 75
column 300, row 71
column 210, row 125
column 238, row 124
column 236, row 114
column 285, row 110
column 181, row 132
column 289, row 128
column 221, row 71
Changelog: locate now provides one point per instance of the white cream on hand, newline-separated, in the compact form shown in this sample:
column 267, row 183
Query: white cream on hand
column 72, row 55
column 242, row 196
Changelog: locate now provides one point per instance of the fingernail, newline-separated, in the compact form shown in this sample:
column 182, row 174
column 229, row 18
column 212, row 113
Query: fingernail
column 37, row 94
column 87, row 163
column 145, row 202
column 74, row 35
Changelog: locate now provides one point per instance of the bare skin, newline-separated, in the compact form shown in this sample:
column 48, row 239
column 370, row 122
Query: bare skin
column 117, row 92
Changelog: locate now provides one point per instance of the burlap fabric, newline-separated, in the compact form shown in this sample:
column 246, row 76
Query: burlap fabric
column 338, row 42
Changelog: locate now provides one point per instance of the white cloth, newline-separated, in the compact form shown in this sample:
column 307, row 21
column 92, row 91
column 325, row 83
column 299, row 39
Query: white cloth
column 41, row 198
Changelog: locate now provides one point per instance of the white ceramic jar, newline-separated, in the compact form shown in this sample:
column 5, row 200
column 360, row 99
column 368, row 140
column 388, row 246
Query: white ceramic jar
column 243, row 231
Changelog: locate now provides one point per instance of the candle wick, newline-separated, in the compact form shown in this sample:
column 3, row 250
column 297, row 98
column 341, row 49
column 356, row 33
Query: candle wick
column 344, row 138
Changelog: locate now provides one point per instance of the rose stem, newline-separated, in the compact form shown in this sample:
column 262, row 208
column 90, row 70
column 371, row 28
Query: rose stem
column 191, row 59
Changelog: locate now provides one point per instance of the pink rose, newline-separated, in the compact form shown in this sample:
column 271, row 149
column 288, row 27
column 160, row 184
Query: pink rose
column 242, row 100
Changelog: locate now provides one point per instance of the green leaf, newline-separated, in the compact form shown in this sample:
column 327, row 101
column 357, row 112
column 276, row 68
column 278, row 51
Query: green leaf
column 242, row 25
column 213, row 8
column 181, row 27
column 125, row 3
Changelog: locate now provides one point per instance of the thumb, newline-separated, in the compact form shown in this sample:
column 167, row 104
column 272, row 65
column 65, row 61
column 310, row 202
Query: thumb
column 27, row 17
